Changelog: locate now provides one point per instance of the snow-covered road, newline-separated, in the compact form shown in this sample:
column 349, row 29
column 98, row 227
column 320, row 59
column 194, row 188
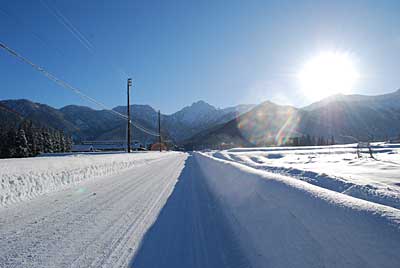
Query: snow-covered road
column 98, row 223
column 192, row 230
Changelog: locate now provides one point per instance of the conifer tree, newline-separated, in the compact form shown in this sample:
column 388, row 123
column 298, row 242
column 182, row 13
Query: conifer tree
column 3, row 136
column 21, row 144
column 48, row 145
column 10, row 143
column 27, row 140
column 31, row 138
column 40, row 140
column 69, row 142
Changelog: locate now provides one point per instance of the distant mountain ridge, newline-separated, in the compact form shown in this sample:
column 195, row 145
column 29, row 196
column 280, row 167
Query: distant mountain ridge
column 85, row 123
column 198, row 117
column 347, row 118
column 384, row 101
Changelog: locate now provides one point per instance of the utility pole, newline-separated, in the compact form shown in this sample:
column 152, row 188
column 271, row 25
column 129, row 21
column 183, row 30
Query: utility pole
column 128, row 111
column 159, row 129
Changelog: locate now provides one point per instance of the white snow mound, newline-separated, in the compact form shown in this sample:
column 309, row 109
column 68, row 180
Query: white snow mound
column 26, row 178
column 284, row 222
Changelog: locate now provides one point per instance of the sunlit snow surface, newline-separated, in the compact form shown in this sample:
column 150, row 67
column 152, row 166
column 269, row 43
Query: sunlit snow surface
column 27, row 178
column 335, row 168
column 263, row 207
column 282, row 221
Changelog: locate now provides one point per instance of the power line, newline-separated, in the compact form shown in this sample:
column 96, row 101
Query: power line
column 73, row 89
column 68, row 25
column 83, row 40
column 144, row 129
column 54, row 78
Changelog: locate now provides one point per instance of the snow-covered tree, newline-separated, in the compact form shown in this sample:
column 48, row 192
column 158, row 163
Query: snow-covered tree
column 21, row 144
column 48, row 144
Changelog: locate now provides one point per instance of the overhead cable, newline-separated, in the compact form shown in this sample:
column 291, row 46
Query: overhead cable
column 72, row 88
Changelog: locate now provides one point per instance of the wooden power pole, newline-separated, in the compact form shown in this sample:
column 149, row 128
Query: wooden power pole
column 159, row 129
column 128, row 111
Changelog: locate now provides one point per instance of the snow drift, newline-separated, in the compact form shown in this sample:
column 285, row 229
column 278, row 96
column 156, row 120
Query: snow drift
column 26, row 178
column 284, row 222
column 336, row 168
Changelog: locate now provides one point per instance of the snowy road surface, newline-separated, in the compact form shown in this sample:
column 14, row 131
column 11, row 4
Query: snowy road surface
column 192, row 229
column 96, row 224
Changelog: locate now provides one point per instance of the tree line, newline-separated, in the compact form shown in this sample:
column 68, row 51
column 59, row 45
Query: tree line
column 308, row 140
column 27, row 140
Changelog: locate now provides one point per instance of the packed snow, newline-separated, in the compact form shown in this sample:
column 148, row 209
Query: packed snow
column 336, row 168
column 191, row 230
column 26, row 178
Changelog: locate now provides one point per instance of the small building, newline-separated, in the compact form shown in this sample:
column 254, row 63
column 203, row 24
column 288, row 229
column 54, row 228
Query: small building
column 156, row 147
column 97, row 146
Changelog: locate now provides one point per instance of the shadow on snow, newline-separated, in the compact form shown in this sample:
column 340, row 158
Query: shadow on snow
column 191, row 230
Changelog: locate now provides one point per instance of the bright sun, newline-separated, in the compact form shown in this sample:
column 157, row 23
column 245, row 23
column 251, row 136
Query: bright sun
column 327, row 74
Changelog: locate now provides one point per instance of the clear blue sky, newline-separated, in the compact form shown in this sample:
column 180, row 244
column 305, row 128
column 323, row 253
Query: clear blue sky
column 178, row 52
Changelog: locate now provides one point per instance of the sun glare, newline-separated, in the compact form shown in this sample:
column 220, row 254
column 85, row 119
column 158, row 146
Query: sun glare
column 327, row 74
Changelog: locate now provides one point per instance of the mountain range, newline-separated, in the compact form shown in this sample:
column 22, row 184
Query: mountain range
column 345, row 117
column 85, row 123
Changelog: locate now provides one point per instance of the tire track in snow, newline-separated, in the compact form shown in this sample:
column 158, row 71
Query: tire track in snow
column 136, row 228
column 117, row 223
column 191, row 230
column 84, row 212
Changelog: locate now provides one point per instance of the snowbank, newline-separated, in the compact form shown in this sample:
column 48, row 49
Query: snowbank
column 284, row 222
column 26, row 178
column 336, row 168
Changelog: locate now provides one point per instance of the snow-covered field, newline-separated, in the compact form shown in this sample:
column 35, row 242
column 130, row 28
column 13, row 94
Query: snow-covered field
column 25, row 178
column 335, row 168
